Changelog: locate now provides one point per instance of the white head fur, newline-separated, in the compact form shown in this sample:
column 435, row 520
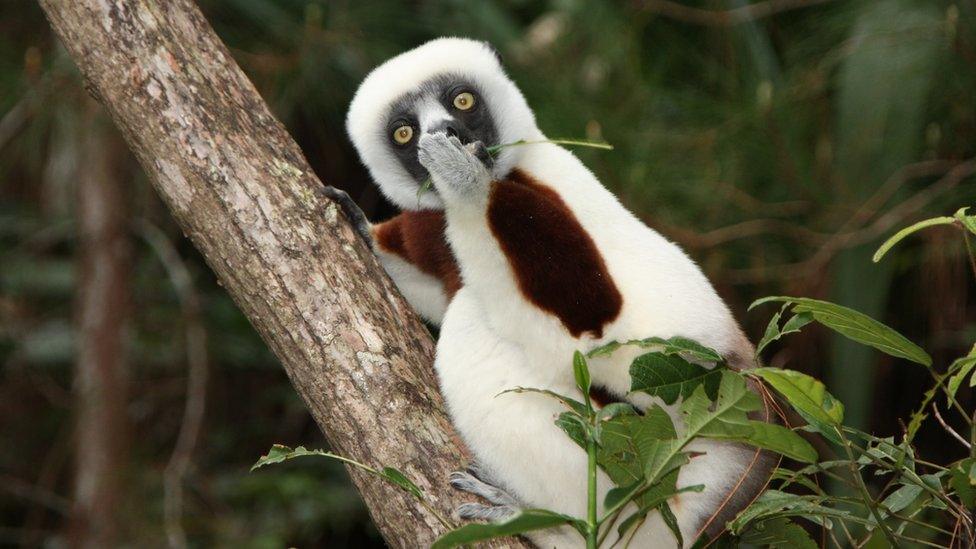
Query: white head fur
column 403, row 78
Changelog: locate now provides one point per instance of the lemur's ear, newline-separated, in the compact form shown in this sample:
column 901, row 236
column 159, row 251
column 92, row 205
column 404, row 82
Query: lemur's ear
column 495, row 51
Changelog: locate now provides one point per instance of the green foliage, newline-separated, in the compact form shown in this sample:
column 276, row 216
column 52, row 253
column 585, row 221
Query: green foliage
column 684, row 347
column 966, row 222
column 671, row 377
column 526, row 521
column 854, row 325
column 808, row 397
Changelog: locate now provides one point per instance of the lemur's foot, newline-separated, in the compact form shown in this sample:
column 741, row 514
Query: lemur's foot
column 504, row 505
column 352, row 211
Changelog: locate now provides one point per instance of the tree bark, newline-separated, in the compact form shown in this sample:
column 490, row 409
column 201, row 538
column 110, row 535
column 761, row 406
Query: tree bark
column 102, row 312
column 244, row 194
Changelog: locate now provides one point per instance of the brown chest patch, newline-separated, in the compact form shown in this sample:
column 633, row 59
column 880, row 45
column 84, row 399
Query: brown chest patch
column 556, row 263
column 418, row 238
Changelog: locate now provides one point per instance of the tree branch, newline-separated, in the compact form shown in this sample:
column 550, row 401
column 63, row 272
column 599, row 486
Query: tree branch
column 242, row 191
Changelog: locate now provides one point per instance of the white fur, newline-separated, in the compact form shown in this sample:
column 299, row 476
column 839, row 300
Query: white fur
column 493, row 339
column 424, row 292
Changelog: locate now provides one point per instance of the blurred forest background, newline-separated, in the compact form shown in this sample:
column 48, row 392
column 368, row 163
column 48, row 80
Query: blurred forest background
column 776, row 143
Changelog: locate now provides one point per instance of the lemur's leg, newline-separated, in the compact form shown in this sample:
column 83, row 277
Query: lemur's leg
column 518, row 447
column 353, row 213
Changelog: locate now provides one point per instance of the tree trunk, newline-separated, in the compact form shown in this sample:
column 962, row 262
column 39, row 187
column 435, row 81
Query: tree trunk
column 241, row 189
column 101, row 311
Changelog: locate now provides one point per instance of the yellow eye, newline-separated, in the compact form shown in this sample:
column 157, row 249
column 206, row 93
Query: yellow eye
column 403, row 134
column 464, row 101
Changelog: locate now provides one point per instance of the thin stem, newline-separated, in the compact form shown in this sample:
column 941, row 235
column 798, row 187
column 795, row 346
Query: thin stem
column 864, row 491
column 592, row 526
column 969, row 250
column 948, row 428
column 570, row 142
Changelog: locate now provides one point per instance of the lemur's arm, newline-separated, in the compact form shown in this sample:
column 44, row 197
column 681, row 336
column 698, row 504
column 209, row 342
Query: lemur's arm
column 414, row 252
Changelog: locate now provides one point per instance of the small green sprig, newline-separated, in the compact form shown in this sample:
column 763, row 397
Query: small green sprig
column 427, row 184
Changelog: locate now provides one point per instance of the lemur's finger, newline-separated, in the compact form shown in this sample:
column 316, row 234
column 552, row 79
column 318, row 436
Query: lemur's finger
column 467, row 482
column 353, row 213
column 482, row 154
column 478, row 511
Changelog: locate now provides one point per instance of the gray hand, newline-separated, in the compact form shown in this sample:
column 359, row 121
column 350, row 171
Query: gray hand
column 454, row 168
column 352, row 211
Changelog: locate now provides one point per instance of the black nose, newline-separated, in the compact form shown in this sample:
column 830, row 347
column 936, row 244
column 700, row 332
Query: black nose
column 450, row 127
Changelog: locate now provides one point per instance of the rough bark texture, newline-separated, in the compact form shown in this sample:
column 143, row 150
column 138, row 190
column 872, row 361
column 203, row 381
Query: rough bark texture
column 101, row 310
column 242, row 191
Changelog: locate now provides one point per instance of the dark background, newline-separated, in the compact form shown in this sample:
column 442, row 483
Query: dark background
column 777, row 150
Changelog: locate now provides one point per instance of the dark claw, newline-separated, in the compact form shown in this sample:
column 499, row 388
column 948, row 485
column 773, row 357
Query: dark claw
column 352, row 212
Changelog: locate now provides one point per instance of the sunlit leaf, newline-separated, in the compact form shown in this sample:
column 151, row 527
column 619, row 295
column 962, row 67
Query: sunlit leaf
column 809, row 397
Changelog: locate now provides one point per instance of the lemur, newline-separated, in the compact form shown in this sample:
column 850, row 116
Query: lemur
column 523, row 257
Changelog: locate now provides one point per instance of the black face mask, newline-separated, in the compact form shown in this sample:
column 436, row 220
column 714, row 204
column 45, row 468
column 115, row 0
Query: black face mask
column 468, row 125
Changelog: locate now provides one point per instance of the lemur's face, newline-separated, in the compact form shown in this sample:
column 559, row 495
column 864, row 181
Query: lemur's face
column 450, row 85
column 445, row 103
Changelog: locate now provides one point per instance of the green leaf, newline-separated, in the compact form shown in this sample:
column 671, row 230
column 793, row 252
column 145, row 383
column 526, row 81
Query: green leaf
column 671, row 522
column 677, row 345
column 774, row 332
column 774, row 503
column 967, row 221
column 900, row 235
column 778, row 533
column 670, row 377
column 279, row 453
column 781, row 440
column 574, row 426
column 856, row 326
column 576, row 406
column 615, row 409
column 582, row 373
column 962, row 367
column 728, row 418
column 660, row 503
column 808, row 397
column 901, row 498
column 398, row 478
column 963, row 480
column 526, row 521
column 620, row 494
